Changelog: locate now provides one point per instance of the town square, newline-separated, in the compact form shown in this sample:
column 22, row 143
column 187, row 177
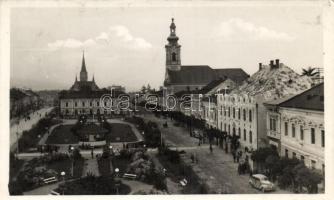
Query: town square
column 167, row 100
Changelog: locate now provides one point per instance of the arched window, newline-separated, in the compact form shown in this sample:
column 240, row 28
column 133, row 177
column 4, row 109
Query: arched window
column 250, row 137
column 173, row 56
column 244, row 113
column 250, row 115
column 233, row 112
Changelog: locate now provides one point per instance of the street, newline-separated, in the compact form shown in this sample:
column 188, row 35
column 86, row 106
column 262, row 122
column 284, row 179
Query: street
column 217, row 166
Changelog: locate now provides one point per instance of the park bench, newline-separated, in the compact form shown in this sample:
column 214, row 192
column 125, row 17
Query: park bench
column 130, row 176
column 183, row 182
column 54, row 193
column 50, row 180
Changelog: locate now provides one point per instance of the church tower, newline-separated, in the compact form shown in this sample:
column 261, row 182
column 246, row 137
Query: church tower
column 173, row 50
column 83, row 72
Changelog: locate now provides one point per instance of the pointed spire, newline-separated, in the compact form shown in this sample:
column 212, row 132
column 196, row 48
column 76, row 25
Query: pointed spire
column 93, row 78
column 76, row 78
column 83, row 65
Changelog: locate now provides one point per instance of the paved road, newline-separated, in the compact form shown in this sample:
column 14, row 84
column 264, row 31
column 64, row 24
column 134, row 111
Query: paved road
column 17, row 128
column 217, row 166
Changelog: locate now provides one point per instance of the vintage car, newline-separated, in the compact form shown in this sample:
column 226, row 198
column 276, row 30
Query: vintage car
column 261, row 182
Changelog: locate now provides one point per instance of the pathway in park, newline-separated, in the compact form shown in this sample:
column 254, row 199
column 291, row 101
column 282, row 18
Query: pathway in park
column 91, row 167
column 44, row 190
column 17, row 127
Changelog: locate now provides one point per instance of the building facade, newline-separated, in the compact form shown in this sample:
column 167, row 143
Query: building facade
column 297, row 124
column 86, row 98
column 237, row 115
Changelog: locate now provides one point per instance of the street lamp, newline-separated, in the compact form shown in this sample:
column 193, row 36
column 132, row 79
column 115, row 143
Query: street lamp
column 63, row 177
column 117, row 184
column 72, row 169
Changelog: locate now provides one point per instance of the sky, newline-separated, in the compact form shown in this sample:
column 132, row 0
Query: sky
column 125, row 45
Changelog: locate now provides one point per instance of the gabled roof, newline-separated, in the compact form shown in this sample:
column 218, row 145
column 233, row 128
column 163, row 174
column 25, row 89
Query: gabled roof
column 312, row 99
column 203, row 75
column 211, row 85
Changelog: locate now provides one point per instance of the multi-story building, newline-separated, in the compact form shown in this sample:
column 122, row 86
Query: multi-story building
column 237, row 115
column 22, row 101
column 243, row 113
column 296, row 125
column 86, row 98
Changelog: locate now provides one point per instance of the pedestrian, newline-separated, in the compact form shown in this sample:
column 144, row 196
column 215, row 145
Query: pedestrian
column 238, row 157
column 211, row 148
column 234, row 156
column 92, row 153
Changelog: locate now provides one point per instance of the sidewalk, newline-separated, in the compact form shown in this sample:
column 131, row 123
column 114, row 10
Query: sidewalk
column 16, row 129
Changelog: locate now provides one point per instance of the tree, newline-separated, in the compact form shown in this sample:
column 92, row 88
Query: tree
column 260, row 155
column 148, row 88
column 306, row 178
column 143, row 89
column 310, row 71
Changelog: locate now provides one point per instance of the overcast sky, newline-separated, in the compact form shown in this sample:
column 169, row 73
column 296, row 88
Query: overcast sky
column 125, row 46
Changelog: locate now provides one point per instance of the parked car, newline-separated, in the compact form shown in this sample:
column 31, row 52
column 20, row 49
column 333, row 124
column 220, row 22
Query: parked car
column 261, row 182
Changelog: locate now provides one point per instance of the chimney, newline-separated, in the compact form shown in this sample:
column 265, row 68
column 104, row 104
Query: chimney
column 260, row 66
column 277, row 63
column 271, row 64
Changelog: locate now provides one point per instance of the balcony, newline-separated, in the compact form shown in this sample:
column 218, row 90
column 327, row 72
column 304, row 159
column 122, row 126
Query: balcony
column 273, row 134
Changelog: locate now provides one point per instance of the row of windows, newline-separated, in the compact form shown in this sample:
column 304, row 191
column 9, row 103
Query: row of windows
column 233, row 132
column 238, row 99
column 301, row 133
column 83, row 104
column 302, row 158
column 227, row 112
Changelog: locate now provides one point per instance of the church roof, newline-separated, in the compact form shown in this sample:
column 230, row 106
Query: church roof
column 203, row 75
column 84, row 85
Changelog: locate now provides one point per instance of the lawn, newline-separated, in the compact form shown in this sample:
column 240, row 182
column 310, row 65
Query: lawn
column 121, row 163
column 121, row 133
column 66, row 166
column 62, row 135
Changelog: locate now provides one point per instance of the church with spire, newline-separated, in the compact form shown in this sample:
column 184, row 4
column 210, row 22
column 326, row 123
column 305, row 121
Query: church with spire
column 84, row 97
column 180, row 77
column 83, row 83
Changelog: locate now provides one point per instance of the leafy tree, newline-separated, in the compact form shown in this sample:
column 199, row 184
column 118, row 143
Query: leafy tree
column 148, row 88
column 260, row 155
column 143, row 89
column 306, row 178
column 310, row 71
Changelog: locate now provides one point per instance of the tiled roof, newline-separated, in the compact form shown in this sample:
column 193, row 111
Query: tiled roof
column 84, row 85
column 279, row 101
column 87, row 94
column 211, row 85
column 312, row 99
column 203, row 74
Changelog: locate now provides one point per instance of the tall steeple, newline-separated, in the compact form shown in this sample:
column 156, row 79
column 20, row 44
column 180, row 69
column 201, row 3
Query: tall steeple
column 173, row 50
column 83, row 72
